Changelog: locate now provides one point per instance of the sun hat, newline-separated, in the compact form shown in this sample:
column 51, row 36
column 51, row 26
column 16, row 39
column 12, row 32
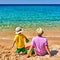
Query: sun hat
column 18, row 30
column 39, row 31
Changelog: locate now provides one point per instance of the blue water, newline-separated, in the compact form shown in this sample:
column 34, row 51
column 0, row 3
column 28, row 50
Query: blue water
column 29, row 16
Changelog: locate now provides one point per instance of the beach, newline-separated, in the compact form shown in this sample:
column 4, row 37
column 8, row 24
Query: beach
column 7, row 38
column 29, row 18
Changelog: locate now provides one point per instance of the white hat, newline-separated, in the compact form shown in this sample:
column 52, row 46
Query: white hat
column 19, row 30
column 39, row 31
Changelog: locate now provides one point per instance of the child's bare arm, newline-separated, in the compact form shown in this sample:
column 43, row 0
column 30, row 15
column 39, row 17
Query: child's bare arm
column 26, row 37
column 48, row 50
column 13, row 44
column 27, row 40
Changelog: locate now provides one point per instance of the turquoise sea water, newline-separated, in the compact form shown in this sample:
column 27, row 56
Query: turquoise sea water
column 29, row 16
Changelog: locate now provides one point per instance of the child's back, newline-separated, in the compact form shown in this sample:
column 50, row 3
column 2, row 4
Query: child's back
column 20, row 40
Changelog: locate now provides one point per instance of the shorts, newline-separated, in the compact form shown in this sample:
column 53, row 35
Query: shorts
column 18, row 50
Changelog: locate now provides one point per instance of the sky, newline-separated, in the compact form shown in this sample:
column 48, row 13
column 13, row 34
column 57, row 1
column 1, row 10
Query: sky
column 29, row 1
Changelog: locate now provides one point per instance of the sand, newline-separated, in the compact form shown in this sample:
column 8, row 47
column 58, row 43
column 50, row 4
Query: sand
column 6, row 40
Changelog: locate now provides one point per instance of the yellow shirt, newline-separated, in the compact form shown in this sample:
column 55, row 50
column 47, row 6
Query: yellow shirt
column 19, row 38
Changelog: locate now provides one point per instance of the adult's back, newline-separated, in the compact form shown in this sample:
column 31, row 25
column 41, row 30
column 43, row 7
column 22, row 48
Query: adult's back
column 39, row 44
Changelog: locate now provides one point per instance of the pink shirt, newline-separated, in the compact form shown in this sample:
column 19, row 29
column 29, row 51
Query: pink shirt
column 39, row 44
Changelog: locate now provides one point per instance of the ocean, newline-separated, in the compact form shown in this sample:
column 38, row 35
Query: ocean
column 29, row 16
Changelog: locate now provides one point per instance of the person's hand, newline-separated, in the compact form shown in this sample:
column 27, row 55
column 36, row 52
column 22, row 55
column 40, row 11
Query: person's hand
column 27, row 40
column 50, row 55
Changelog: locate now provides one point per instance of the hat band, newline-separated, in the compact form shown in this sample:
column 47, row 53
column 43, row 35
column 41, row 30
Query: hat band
column 19, row 30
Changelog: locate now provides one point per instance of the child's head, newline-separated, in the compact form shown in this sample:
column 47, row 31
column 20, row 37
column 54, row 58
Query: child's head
column 39, row 31
column 18, row 30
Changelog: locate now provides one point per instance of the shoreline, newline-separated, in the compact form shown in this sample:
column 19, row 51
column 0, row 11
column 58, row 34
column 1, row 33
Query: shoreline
column 29, row 32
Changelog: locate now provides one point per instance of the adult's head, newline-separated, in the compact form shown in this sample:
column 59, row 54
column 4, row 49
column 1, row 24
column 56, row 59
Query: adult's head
column 39, row 31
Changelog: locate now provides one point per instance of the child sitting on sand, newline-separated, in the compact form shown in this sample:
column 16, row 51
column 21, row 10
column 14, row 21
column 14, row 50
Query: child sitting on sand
column 19, row 40
column 40, row 44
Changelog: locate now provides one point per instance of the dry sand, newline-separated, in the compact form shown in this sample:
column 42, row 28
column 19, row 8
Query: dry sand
column 6, row 40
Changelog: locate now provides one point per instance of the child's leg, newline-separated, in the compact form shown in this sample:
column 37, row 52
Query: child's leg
column 18, row 51
column 24, row 50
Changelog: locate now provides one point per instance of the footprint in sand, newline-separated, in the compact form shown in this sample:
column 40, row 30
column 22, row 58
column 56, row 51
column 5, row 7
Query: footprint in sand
column 6, row 57
column 12, row 57
column 2, row 46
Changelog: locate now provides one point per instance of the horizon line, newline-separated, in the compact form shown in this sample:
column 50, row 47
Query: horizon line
column 29, row 4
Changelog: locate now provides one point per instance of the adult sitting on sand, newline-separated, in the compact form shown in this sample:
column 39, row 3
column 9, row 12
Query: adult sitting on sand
column 40, row 44
column 19, row 40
